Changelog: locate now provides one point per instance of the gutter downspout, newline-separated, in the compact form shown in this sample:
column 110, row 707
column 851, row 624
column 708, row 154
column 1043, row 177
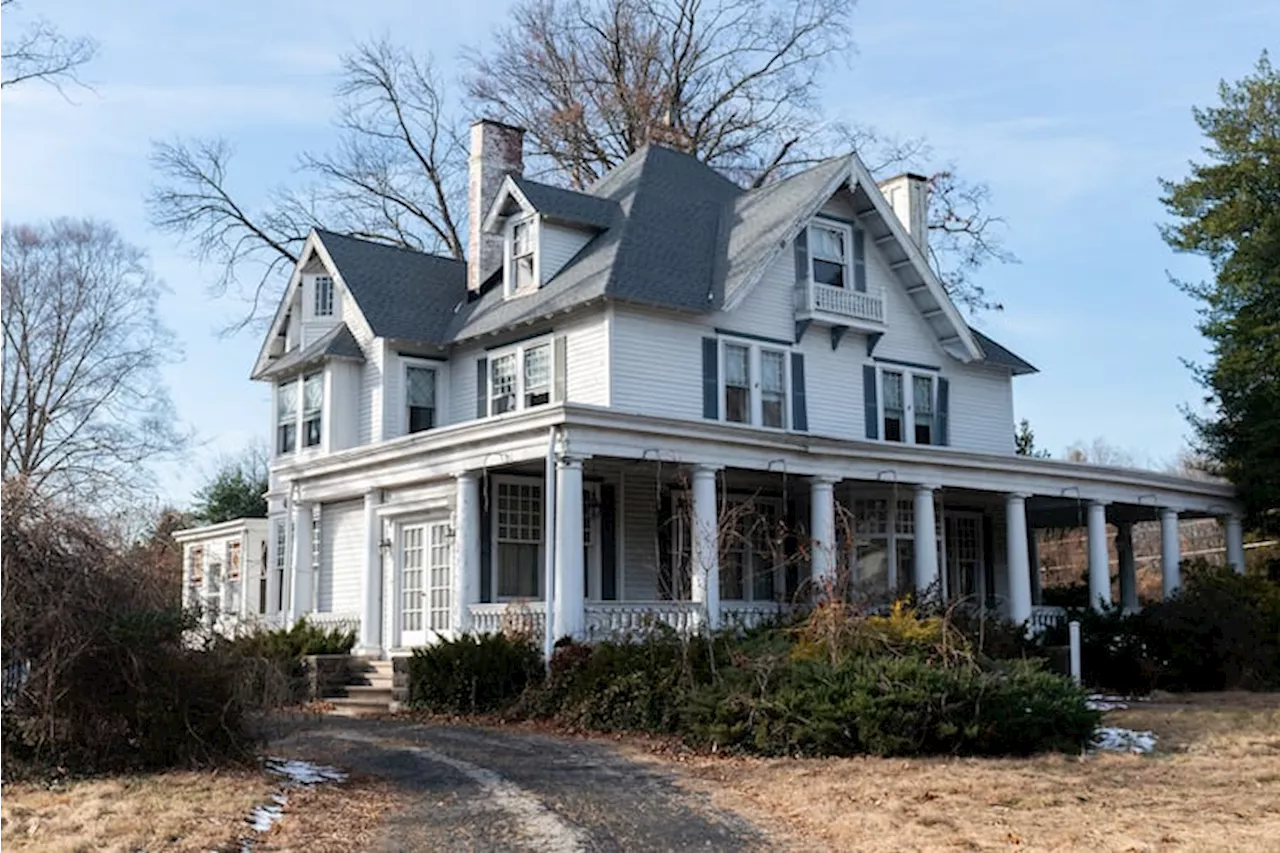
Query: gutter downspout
column 549, row 537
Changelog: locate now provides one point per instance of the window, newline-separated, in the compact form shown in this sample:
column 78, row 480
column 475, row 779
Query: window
column 894, row 410
column 420, row 397
column 233, row 577
column 521, row 377
column 282, row 543
column 836, row 255
column 262, row 581
column 518, row 531
column 922, row 400
column 737, row 384
column 523, row 241
column 324, row 296
column 884, row 544
column 773, row 389
column 286, row 417
column 312, row 407
column 754, row 384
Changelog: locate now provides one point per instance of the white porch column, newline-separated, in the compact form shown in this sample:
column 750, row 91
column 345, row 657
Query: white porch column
column 822, row 524
column 568, row 605
column 371, row 579
column 1128, row 566
column 1018, row 560
column 1170, row 551
column 300, row 569
column 926, row 539
column 1099, row 568
column 1234, row 530
column 466, row 543
column 705, row 581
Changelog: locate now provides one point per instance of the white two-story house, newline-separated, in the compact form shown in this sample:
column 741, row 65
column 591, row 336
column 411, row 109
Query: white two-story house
column 664, row 398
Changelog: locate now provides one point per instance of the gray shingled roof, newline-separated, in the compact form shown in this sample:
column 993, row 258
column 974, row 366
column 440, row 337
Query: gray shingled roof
column 672, row 233
column 567, row 205
column 403, row 294
column 338, row 342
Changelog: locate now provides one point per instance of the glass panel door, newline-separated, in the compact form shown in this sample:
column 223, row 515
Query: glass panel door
column 412, row 580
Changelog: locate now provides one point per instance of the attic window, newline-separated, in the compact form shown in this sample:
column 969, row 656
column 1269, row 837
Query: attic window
column 324, row 296
column 522, row 273
column 836, row 255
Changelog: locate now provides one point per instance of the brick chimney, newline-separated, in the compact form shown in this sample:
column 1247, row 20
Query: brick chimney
column 497, row 150
column 908, row 195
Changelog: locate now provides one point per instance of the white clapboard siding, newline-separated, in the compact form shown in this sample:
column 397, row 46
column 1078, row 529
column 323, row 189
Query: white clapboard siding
column 559, row 244
column 587, row 359
column 341, row 557
column 657, row 363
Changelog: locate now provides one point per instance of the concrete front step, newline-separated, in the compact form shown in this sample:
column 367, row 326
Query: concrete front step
column 368, row 689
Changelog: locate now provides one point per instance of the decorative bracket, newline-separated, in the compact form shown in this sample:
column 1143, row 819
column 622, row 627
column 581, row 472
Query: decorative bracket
column 873, row 338
column 802, row 326
column 837, row 332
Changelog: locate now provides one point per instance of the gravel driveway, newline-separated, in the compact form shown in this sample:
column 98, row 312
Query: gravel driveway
column 479, row 789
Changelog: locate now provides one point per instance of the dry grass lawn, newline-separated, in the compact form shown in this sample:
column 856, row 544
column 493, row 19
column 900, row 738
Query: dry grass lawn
column 1214, row 784
column 188, row 811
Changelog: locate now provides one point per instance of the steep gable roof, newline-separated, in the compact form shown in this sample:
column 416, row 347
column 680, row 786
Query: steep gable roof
column 338, row 342
column 1001, row 357
column 567, row 205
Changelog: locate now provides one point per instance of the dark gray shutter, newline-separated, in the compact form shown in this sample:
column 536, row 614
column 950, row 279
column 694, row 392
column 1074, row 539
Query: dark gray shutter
column 802, row 256
column 559, row 361
column 799, row 408
column 482, row 387
column 711, row 378
column 869, row 400
column 944, row 404
column 859, row 261
column 608, row 543
column 486, row 544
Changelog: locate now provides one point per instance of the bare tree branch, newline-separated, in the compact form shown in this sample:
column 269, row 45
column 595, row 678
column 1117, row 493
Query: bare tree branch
column 42, row 52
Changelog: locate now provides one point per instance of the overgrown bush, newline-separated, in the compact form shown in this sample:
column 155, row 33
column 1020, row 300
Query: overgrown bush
column 472, row 675
column 273, row 673
column 113, row 683
column 304, row 638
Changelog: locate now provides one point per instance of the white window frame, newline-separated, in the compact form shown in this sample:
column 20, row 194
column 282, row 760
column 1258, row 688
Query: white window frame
column 322, row 296
column 495, row 541
column 520, row 350
column 281, row 566
column 755, row 408
column 303, row 411
column 510, row 258
column 899, row 527
column 293, row 387
column 442, row 395
column 908, row 401
column 851, row 261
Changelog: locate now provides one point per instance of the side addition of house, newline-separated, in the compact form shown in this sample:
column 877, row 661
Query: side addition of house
column 663, row 398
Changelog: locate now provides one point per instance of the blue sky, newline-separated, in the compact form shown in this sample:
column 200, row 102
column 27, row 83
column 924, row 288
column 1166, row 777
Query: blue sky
column 1070, row 112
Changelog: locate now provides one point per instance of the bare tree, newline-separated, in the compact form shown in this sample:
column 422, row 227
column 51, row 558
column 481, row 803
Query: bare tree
column 85, row 411
column 733, row 82
column 42, row 52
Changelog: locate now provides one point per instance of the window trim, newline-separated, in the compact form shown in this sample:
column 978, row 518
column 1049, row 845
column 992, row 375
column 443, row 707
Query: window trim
column 510, row 286
column 851, row 262
column 441, row 391
column 755, row 376
column 519, row 350
column 316, row 302
column 280, row 422
column 495, row 567
column 909, row 375
column 318, row 413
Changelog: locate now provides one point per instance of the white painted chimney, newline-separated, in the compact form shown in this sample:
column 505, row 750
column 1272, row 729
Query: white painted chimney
column 497, row 150
column 908, row 195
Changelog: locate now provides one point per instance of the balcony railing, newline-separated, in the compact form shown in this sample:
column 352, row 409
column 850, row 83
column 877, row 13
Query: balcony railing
column 841, row 302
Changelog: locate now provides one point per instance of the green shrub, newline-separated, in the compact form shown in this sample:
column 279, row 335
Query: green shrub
column 472, row 675
column 304, row 638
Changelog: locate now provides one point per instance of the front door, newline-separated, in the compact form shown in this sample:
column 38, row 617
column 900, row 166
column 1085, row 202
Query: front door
column 966, row 579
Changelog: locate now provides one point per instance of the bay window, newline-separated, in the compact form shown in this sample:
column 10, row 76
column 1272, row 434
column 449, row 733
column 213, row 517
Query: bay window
column 312, row 408
column 754, row 384
column 286, row 417
column 420, row 398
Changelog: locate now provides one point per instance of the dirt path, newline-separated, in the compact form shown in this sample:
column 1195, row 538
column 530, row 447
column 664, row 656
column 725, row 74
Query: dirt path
column 476, row 789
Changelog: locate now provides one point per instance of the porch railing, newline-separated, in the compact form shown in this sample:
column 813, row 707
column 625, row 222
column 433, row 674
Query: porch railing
column 338, row 621
column 750, row 614
column 1044, row 617
column 519, row 617
column 618, row 618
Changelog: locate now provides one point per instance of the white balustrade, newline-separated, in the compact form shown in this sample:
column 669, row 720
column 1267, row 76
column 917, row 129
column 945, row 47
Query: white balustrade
column 746, row 615
column 524, row 618
column 616, row 619
column 1044, row 616
column 846, row 302
column 336, row 621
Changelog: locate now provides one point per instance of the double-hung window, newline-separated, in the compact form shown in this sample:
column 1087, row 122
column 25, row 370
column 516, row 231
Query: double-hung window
column 518, row 534
column 754, row 384
column 286, row 417
column 521, row 377
column 894, row 408
column 524, row 241
column 923, row 407
column 323, row 296
column 281, row 563
column 420, row 397
column 909, row 406
column 837, row 255
column 312, row 408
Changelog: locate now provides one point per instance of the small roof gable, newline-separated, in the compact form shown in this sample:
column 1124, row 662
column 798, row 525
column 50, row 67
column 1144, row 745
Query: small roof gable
column 337, row 343
column 567, row 205
column 1001, row 357
column 403, row 294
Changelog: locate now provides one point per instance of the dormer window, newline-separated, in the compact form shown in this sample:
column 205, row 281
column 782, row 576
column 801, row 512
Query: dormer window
column 836, row 255
column 522, row 268
column 324, row 296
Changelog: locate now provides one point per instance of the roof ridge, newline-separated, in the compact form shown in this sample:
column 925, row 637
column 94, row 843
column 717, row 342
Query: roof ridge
column 381, row 245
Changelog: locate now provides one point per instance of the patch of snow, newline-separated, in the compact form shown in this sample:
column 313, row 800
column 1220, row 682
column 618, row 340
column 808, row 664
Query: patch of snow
column 1113, row 739
column 304, row 772
column 1102, row 702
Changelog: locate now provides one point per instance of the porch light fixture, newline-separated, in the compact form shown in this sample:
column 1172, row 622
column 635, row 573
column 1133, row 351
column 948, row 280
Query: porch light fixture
column 384, row 547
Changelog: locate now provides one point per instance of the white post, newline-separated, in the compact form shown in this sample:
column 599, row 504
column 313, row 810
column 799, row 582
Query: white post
column 926, row 539
column 301, row 568
column 466, row 543
column 1170, row 548
column 822, row 523
column 371, row 579
column 706, row 545
column 1235, row 542
column 569, row 596
column 1099, row 568
column 1019, row 563
column 1128, row 567
column 1073, row 634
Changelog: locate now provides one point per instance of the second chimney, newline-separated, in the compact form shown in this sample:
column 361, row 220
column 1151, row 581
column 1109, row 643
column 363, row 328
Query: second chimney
column 908, row 195
column 497, row 150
